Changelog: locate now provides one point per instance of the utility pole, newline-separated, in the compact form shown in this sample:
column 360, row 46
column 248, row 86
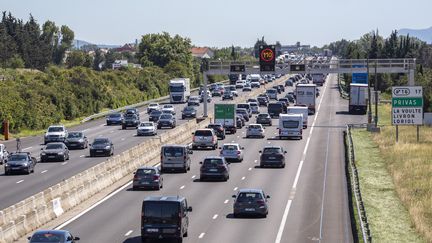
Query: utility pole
column 369, row 96
column 376, row 95
column 204, row 69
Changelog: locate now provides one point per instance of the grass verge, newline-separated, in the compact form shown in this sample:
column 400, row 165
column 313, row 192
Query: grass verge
column 388, row 219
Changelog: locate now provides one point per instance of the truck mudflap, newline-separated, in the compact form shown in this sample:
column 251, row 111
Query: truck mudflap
column 311, row 110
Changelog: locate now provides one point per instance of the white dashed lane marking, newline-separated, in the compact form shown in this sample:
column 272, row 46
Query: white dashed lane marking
column 129, row 232
column 226, row 201
column 201, row 235
column 44, row 171
column 18, row 182
column 215, row 216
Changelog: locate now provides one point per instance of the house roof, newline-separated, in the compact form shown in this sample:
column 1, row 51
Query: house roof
column 199, row 50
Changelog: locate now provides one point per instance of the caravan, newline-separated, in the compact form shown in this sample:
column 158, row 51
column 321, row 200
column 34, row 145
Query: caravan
column 291, row 125
column 300, row 110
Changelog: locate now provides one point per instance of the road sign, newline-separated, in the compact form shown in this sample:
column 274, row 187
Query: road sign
column 225, row 114
column 359, row 78
column 297, row 67
column 267, row 57
column 237, row 68
column 407, row 105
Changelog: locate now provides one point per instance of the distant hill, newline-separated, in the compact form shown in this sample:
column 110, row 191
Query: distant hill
column 79, row 43
column 422, row 34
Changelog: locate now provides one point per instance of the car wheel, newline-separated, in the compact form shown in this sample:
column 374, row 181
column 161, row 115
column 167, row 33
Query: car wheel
column 6, row 173
column 64, row 158
column 123, row 127
column 180, row 240
column 185, row 234
column 28, row 171
column 235, row 215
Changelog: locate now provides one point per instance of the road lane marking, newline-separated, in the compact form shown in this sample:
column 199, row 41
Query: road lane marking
column 324, row 186
column 226, row 201
column 83, row 155
column 44, row 171
column 282, row 225
column 18, row 182
column 215, row 216
column 123, row 139
column 235, row 188
column 250, row 168
column 129, row 232
column 201, row 235
column 232, row 141
column 243, row 178
column 193, row 176
column 182, row 187
column 112, row 132
column 24, row 149
column 64, row 163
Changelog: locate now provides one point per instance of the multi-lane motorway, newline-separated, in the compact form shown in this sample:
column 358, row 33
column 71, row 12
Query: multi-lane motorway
column 308, row 197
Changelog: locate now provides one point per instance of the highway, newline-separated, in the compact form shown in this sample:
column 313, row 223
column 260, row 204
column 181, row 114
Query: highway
column 17, row 187
column 308, row 197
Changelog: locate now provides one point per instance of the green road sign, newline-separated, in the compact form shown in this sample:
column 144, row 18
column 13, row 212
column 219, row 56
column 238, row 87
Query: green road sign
column 224, row 111
column 407, row 102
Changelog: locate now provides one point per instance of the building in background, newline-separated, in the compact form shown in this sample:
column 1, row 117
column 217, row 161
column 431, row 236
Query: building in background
column 202, row 52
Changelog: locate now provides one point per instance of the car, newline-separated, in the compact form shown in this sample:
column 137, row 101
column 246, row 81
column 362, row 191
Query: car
column 272, row 93
column 250, row 202
column 175, row 157
column 284, row 100
column 152, row 106
column 54, row 152
column 214, row 167
column 273, row 156
column 277, row 88
column 232, row 151
column 317, row 92
column 146, row 128
column 3, row 154
column 76, row 140
column 169, row 107
column 255, row 84
column 240, row 84
column 251, row 100
column 247, row 88
column 147, row 178
column 274, row 109
column 57, row 236
column 194, row 101
column 290, row 98
column 245, row 106
column 284, row 106
column 101, row 146
column 154, row 115
column 114, row 119
column 132, row 111
column 19, row 162
column 164, row 217
column 243, row 112
column 209, row 97
column 255, row 130
column 289, row 82
column 189, row 112
column 55, row 133
column 130, row 120
column 216, row 93
column 233, row 90
column 293, row 94
column 228, row 96
column 166, row 120
column 239, row 121
column 218, row 129
column 254, row 107
column 262, row 101
column 282, row 87
column 204, row 138
column 264, row 119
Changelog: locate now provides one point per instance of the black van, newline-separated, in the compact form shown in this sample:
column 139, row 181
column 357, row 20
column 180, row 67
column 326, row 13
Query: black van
column 274, row 109
column 164, row 217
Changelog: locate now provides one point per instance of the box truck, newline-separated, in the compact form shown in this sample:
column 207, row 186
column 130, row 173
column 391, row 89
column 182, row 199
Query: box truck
column 306, row 96
column 358, row 98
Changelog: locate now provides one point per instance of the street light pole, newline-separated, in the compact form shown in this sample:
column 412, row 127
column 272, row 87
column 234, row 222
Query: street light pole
column 205, row 94
column 369, row 96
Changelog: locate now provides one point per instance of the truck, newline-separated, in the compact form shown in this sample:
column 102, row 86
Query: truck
column 358, row 98
column 290, row 125
column 299, row 110
column 179, row 89
column 3, row 154
column 318, row 78
column 306, row 96
column 255, row 77
column 224, row 114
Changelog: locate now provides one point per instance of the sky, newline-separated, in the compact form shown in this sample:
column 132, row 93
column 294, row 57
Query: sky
column 226, row 22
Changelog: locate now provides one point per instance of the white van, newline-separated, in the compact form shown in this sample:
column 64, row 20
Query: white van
column 291, row 125
column 299, row 110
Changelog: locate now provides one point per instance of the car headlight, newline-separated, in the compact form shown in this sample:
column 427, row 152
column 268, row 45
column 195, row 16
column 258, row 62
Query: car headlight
column 6, row 165
column 25, row 164
column 107, row 147
column 61, row 153
column 81, row 140
column 43, row 153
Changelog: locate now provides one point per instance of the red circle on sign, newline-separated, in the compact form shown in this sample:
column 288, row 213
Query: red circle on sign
column 267, row 55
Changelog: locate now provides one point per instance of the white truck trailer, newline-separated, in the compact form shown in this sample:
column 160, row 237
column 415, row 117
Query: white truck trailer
column 306, row 96
column 179, row 89
column 358, row 98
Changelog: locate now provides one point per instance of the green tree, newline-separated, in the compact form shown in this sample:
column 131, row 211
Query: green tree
column 8, row 47
column 98, row 59
column 78, row 58
column 258, row 43
column 66, row 38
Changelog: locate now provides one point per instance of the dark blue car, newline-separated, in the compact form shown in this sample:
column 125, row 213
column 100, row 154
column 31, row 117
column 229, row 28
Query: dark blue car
column 58, row 236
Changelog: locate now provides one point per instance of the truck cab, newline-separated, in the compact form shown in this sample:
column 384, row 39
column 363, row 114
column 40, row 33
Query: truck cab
column 179, row 90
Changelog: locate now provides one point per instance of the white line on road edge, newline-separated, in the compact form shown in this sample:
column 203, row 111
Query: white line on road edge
column 18, row 182
column 288, row 205
column 93, row 206
column 182, row 187
column 226, row 201
column 83, row 155
column 193, row 176
column 235, row 188
column 43, row 171
column 215, row 216
column 129, row 232
column 201, row 235
column 24, row 149
column 243, row 177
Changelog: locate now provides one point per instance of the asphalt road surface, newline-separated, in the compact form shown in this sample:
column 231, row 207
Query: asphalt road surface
column 308, row 197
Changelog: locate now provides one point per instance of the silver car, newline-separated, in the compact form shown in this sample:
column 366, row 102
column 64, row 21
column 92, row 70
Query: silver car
column 146, row 128
column 255, row 130
column 232, row 151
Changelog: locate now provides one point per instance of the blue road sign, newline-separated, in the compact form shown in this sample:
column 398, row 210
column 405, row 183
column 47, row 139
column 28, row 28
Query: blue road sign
column 359, row 78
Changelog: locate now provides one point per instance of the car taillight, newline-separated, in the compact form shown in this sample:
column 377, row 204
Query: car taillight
column 155, row 177
column 194, row 138
column 213, row 139
column 261, row 202
column 136, row 177
column 238, row 152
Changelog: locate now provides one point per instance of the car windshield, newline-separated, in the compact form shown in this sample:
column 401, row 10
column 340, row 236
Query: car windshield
column 54, row 146
column 47, row 237
column 161, row 213
column 291, row 124
column 253, row 104
column 255, row 126
column 155, row 113
column 55, row 129
column 272, row 151
column 18, row 157
column 173, row 151
column 168, row 106
column 230, row 147
column 189, row 108
column 115, row 115
column 166, row 112
column 100, row 141
column 130, row 116
column 212, row 162
column 248, row 196
column 165, row 116
column 263, row 115
column 176, row 88
column 246, row 106
column 153, row 105
column 214, row 125
column 203, row 133
column 75, row 135
column 143, row 172
column 146, row 124
column 271, row 91
column 130, row 111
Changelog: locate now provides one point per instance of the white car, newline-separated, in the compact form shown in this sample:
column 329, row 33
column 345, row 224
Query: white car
column 55, row 133
column 255, row 130
column 152, row 106
column 232, row 151
column 146, row 128
column 168, row 107
column 254, row 107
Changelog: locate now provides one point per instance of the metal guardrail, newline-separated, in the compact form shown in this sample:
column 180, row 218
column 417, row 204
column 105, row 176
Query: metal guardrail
column 355, row 185
column 141, row 104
